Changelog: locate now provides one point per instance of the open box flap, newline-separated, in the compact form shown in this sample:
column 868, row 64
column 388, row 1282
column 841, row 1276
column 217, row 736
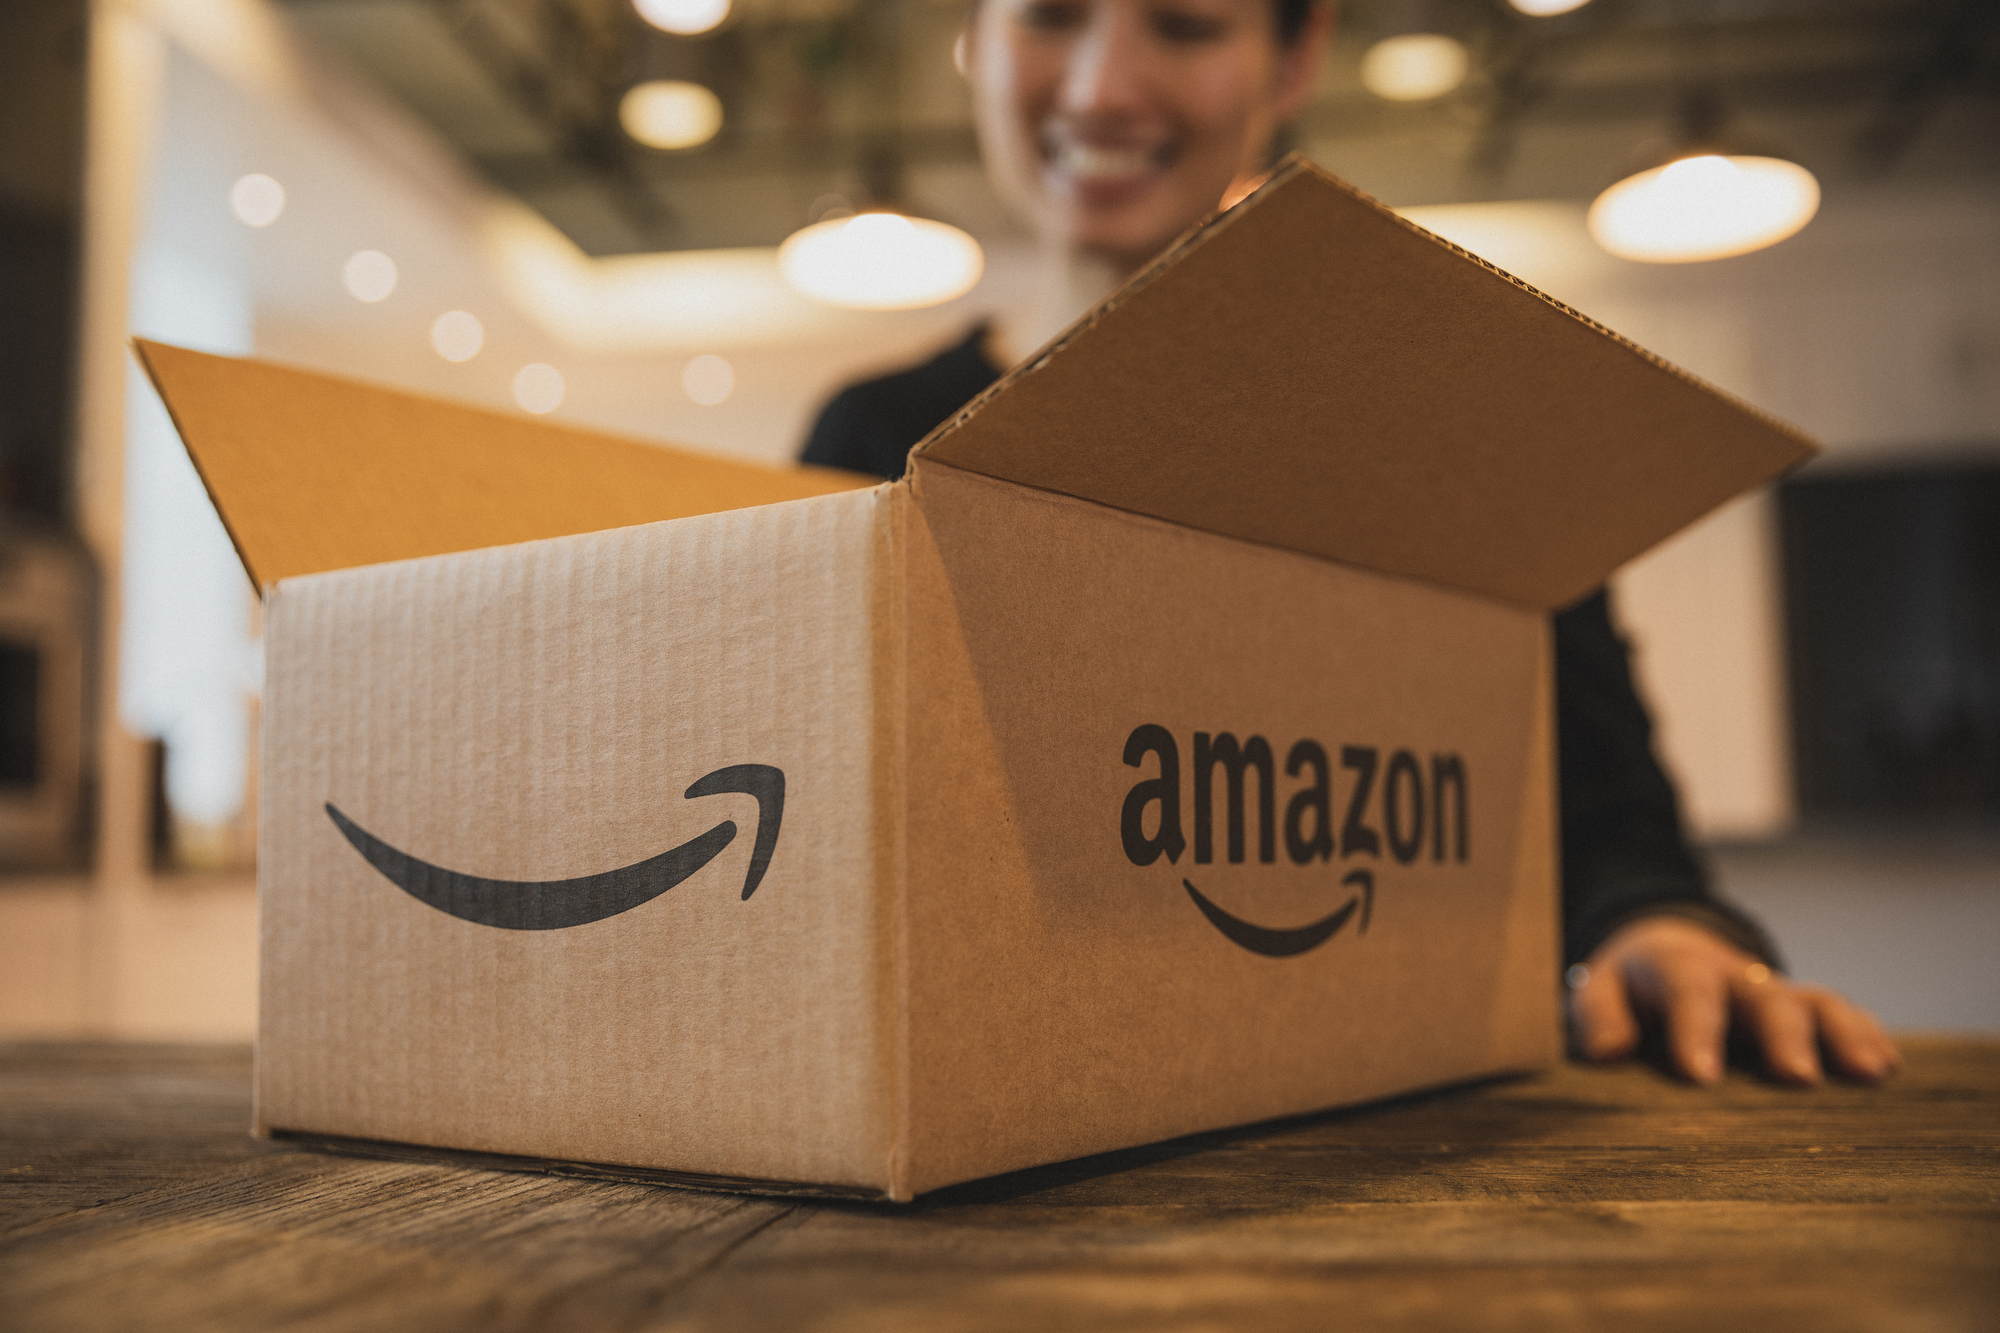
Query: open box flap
column 311, row 472
column 1310, row 371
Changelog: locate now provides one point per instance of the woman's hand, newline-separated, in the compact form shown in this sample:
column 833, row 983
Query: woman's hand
column 1674, row 972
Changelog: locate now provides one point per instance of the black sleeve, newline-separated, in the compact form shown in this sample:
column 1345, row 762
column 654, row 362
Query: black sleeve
column 872, row 426
column 1623, row 850
column 850, row 433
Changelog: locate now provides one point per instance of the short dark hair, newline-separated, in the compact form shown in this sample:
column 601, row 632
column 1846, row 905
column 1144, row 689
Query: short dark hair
column 1291, row 18
column 1288, row 17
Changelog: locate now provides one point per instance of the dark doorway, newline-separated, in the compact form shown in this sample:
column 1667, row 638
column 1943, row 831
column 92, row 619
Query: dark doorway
column 41, row 180
column 1892, row 584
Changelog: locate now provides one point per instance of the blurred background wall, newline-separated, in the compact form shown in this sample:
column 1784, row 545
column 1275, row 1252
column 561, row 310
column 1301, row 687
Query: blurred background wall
column 373, row 187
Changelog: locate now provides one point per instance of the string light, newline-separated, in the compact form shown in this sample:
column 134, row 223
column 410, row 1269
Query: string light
column 708, row 379
column 369, row 276
column 256, row 200
column 457, row 336
column 538, row 388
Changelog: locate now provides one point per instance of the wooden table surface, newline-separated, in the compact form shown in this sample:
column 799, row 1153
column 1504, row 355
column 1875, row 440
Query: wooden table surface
column 1579, row 1199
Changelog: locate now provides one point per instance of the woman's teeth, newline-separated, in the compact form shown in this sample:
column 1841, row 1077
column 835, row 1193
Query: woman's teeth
column 1083, row 160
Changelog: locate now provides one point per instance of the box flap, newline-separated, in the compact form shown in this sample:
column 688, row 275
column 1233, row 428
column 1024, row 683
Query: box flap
column 311, row 472
column 1310, row 371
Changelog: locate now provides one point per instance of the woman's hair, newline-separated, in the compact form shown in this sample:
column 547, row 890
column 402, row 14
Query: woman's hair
column 1291, row 18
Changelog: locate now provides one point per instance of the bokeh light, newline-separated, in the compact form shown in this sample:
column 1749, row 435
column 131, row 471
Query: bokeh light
column 708, row 380
column 538, row 388
column 457, row 336
column 1704, row 207
column 256, row 200
column 369, row 276
column 683, row 17
column 881, row 261
column 1414, row 67
column 668, row 113
column 1542, row 9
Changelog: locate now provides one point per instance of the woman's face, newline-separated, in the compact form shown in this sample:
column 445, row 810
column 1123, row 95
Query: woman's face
column 1112, row 125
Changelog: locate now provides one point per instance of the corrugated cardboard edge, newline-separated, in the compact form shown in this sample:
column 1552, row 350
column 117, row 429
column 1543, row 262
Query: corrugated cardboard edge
column 890, row 776
column 140, row 353
column 1532, row 942
column 260, row 1125
column 381, row 1150
column 1293, row 166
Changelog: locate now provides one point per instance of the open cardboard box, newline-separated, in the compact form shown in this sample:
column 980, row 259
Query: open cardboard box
column 1170, row 750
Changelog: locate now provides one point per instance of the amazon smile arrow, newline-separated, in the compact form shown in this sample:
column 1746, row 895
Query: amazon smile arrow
column 1289, row 943
column 556, row 903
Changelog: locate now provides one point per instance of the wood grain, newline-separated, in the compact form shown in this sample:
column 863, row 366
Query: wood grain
column 1580, row 1199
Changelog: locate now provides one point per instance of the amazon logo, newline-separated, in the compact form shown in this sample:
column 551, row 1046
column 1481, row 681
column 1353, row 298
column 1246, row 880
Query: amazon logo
column 1405, row 807
column 553, row 904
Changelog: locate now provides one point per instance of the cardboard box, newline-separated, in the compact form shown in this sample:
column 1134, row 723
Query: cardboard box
column 1170, row 750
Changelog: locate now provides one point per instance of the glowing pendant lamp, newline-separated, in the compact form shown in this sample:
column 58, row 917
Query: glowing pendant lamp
column 881, row 260
column 1703, row 195
column 1416, row 55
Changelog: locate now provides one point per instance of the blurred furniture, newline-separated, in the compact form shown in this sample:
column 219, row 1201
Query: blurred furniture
column 45, row 609
column 1581, row 1198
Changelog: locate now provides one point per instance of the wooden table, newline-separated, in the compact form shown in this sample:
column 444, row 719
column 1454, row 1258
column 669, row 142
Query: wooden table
column 1583, row 1198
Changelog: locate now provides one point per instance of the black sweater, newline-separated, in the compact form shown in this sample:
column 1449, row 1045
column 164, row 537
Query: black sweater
column 1623, row 851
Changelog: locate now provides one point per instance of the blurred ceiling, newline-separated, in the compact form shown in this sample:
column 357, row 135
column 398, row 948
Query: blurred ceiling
column 859, row 99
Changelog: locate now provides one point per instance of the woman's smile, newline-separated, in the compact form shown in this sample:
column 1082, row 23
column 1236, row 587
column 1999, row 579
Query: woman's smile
column 1102, row 173
column 1111, row 125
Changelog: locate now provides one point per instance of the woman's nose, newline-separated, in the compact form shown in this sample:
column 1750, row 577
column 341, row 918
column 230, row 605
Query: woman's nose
column 1106, row 74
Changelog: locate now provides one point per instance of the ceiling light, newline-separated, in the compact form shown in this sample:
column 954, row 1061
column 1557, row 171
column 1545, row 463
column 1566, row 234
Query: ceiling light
column 1542, row 9
column 1704, row 193
column 370, row 275
column 538, row 388
column 881, row 261
column 683, row 17
column 256, row 200
column 667, row 113
column 1414, row 67
column 457, row 336
column 1705, row 206
column 708, row 379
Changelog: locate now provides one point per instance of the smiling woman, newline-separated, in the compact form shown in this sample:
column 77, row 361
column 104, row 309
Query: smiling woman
column 1111, row 127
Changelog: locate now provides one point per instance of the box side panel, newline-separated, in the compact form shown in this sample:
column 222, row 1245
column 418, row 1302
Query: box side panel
column 558, row 710
column 1089, row 969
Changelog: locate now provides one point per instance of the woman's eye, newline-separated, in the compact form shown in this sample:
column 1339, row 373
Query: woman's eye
column 1052, row 15
column 1181, row 27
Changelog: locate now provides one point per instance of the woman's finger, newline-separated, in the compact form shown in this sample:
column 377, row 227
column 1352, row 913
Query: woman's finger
column 1601, row 1020
column 1859, row 1047
column 1695, row 997
column 1784, row 1021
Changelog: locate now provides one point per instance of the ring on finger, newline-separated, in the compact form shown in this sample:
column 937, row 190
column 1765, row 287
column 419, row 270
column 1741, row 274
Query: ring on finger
column 1756, row 974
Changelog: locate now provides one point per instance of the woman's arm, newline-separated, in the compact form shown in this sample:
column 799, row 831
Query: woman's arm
column 1645, row 939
